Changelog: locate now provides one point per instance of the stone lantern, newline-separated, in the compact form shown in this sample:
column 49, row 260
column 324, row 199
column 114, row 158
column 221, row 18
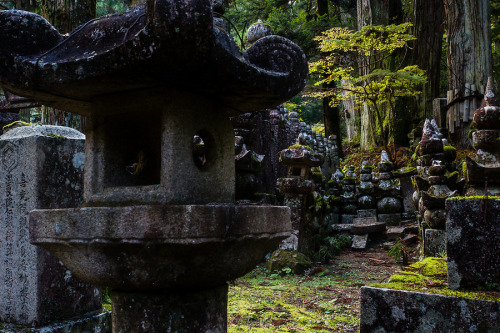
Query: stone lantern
column 297, row 188
column 159, row 224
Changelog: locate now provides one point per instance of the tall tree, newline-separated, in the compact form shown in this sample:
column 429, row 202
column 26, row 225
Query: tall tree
column 374, row 12
column 428, row 27
column 468, row 54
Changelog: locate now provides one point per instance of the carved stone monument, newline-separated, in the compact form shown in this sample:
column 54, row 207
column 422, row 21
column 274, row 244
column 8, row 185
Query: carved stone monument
column 40, row 167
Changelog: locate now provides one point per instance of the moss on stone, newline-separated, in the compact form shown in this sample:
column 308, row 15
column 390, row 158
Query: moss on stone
column 472, row 197
column 18, row 122
column 452, row 174
column 285, row 259
column 297, row 146
column 430, row 276
column 449, row 148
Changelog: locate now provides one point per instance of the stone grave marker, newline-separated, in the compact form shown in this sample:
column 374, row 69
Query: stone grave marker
column 40, row 167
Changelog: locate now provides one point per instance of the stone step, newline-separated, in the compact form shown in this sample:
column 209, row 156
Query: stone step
column 367, row 228
column 395, row 233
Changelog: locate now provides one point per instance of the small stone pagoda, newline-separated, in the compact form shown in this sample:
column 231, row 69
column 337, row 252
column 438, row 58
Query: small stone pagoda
column 159, row 224
column 389, row 204
column 483, row 170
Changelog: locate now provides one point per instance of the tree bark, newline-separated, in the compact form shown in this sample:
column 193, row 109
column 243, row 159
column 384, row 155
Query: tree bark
column 468, row 53
column 374, row 12
column 427, row 19
column 331, row 119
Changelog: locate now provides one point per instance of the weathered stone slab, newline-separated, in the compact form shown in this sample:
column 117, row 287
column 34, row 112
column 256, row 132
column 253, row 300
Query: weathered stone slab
column 395, row 233
column 364, row 220
column 341, row 227
column 367, row 228
column 388, row 310
column 434, row 242
column 473, row 242
column 359, row 242
column 40, row 167
column 94, row 322
column 407, row 193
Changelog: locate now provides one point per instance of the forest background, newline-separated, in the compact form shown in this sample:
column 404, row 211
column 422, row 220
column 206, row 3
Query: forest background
column 376, row 65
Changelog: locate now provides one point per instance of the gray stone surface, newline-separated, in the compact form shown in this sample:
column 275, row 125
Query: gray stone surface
column 388, row 310
column 169, row 175
column 166, row 43
column 93, row 322
column 434, row 242
column 390, row 219
column 367, row 213
column 40, row 167
column 395, row 233
column 151, row 247
column 194, row 310
column 364, row 220
column 341, row 227
column 359, row 242
column 407, row 193
column 473, row 242
column 367, row 228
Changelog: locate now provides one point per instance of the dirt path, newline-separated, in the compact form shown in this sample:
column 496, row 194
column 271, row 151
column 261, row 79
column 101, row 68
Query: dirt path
column 326, row 301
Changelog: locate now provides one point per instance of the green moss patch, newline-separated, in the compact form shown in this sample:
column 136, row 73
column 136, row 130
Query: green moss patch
column 449, row 148
column 18, row 122
column 430, row 276
column 266, row 302
column 297, row 146
column 492, row 197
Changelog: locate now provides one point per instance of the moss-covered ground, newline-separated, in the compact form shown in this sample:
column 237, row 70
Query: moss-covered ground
column 430, row 276
column 325, row 301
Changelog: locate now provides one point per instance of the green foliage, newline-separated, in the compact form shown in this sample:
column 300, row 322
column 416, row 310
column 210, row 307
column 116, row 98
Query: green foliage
column 105, row 7
column 294, row 20
column 399, row 251
column 331, row 247
column 379, row 88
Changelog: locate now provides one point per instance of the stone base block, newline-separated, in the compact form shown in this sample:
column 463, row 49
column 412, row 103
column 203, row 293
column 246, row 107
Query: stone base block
column 100, row 322
column 202, row 310
column 364, row 220
column 359, row 242
column 347, row 219
column 368, row 228
column 388, row 310
column 434, row 242
column 390, row 219
column 367, row 213
column 473, row 238
column 395, row 233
